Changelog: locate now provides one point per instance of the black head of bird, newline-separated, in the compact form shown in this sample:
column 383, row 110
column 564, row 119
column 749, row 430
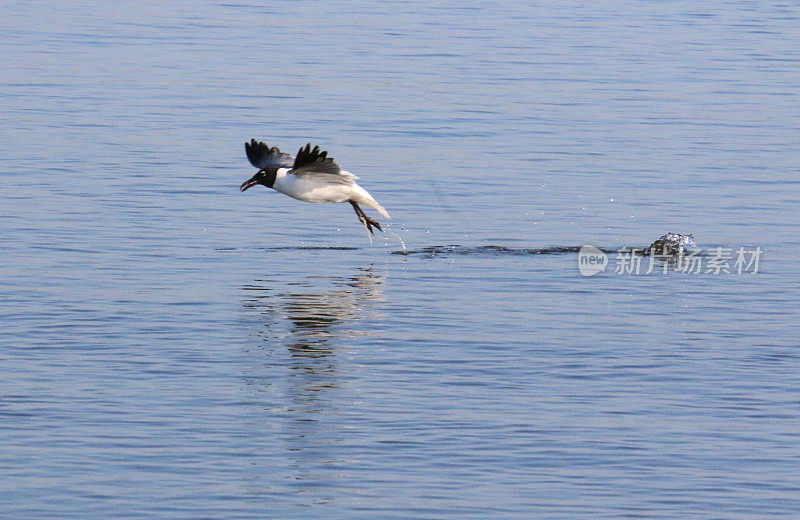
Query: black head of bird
column 265, row 176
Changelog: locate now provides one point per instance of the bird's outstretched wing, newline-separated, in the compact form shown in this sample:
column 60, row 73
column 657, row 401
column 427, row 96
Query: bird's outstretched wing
column 311, row 161
column 262, row 156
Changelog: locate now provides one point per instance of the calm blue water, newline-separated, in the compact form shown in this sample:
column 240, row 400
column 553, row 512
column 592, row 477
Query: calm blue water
column 172, row 348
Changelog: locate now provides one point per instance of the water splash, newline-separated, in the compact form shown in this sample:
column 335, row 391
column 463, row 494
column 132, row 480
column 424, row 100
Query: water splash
column 671, row 244
column 399, row 238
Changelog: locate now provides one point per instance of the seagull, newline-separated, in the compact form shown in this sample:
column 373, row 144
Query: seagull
column 312, row 176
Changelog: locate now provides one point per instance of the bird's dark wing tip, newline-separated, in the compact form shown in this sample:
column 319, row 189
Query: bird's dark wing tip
column 314, row 159
column 262, row 156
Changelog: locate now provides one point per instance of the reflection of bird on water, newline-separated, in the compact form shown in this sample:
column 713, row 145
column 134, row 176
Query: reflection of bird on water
column 312, row 316
column 299, row 368
column 307, row 323
column 316, row 319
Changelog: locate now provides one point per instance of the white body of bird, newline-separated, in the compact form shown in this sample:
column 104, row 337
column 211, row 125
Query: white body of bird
column 325, row 187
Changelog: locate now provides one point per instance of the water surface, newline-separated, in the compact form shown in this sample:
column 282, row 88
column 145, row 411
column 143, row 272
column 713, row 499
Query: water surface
column 173, row 348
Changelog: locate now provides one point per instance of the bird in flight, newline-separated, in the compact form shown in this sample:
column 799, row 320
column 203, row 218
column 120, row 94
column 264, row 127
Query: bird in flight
column 312, row 176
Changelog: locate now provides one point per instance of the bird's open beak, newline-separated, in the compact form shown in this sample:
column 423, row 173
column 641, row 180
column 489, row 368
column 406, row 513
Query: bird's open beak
column 248, row 184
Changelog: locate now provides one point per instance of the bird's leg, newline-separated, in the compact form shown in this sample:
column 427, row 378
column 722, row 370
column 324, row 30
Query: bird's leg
column 368, row 222
column 361, row 218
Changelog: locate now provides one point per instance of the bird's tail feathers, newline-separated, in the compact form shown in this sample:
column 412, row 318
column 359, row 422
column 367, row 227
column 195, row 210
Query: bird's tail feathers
column 379, row 208
column 370, row 203
column 366, row 199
